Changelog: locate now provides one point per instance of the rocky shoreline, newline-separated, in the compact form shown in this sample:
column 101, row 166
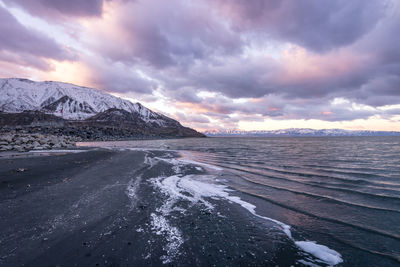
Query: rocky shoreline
column 30, row 130
column 23, row 142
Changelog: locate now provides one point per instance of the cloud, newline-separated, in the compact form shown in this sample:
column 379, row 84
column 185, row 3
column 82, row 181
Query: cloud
column 317, row 25
column 225, row 61
column 221, row 109
column 325, row 48
column 297, row 73
column 26, row 46
column 59, row 8
column 380, row 91
column 191, row 118
column 162, row 34
column 116, row 77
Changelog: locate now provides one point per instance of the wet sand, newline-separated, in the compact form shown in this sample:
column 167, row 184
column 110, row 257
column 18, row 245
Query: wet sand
column 54, row 208
column 101, row 208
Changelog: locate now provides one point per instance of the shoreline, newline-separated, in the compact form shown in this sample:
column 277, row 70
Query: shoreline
column 29, row 141
column 132, row 193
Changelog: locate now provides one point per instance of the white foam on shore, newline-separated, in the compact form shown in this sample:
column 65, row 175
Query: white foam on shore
column 321, row 252
column 186, row 160
column 306, row 263
column 195, row 188
column 179, row 163
column 177, row 187
column 209, row 166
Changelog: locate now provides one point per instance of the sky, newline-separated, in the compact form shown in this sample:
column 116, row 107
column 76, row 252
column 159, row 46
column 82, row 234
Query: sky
column 219, row 64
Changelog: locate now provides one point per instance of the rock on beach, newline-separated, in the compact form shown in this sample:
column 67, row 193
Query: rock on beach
column 26, row 142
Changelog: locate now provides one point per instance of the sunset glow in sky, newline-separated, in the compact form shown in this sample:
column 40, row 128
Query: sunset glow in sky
column 219, row 64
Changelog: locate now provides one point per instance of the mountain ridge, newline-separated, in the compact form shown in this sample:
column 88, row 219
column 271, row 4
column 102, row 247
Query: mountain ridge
column 300, row 132
column 65, row 100
column 71, row 108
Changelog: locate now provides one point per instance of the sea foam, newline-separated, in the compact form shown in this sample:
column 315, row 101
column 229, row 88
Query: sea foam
column 199, row 187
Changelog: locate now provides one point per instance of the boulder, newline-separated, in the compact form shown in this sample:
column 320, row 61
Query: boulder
column 35, row 144
column 5, row 148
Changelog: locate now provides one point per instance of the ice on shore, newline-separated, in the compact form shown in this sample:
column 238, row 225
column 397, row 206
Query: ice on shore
column 321, row 252
column 199, row 188
column 162, row 226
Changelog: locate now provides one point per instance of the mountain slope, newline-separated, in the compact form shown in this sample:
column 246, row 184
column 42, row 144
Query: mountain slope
column 123, row 118
column 31, row 118
column 112, row 124
column 55, row 107
column 133, row 123
column 66, row 100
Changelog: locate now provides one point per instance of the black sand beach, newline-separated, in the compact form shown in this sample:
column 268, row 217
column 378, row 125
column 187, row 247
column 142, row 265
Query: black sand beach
column 202, row 203
column 98, row 208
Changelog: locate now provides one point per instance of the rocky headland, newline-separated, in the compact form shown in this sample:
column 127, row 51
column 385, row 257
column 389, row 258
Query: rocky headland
column 36, row 130
column 43, row 115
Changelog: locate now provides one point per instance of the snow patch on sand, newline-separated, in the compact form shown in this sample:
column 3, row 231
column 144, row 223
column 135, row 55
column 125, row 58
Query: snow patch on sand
column 177, row 165
column 161, row 226
column 132, row 189
column 149, row 161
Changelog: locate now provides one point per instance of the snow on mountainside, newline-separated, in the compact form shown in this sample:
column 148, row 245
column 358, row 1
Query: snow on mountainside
column 301, row 132
column 66, row 100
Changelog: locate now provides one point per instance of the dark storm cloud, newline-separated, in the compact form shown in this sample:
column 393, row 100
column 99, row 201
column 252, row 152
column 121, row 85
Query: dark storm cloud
column 168, row 33
column 255, row 77
column 324, row 50
column 119, row 80
column 198, row 46
column 122, row 83
column 191, row 118
column 380, row 91
column 26, row 46
column 319, row 28
column 185, row 95
column 188, row 47
column 366, row 71
column 282, row 109
column 57, row 8
column 319, row 25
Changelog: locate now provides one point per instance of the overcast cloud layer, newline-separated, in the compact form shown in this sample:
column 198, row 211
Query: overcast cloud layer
column 217, row 63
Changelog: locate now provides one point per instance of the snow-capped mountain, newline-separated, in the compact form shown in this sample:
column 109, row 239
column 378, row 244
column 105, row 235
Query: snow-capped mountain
column 68, row 101
column 301, row 132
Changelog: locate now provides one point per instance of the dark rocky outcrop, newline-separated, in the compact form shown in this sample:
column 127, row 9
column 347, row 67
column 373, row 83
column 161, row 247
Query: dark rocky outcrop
column 72, row 104
column 29, row 118
column 112, row 124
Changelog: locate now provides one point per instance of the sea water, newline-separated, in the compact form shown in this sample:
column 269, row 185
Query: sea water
column 320, row 200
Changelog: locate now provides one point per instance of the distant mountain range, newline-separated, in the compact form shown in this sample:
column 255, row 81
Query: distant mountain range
column 301, row 132
column 28, row 103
